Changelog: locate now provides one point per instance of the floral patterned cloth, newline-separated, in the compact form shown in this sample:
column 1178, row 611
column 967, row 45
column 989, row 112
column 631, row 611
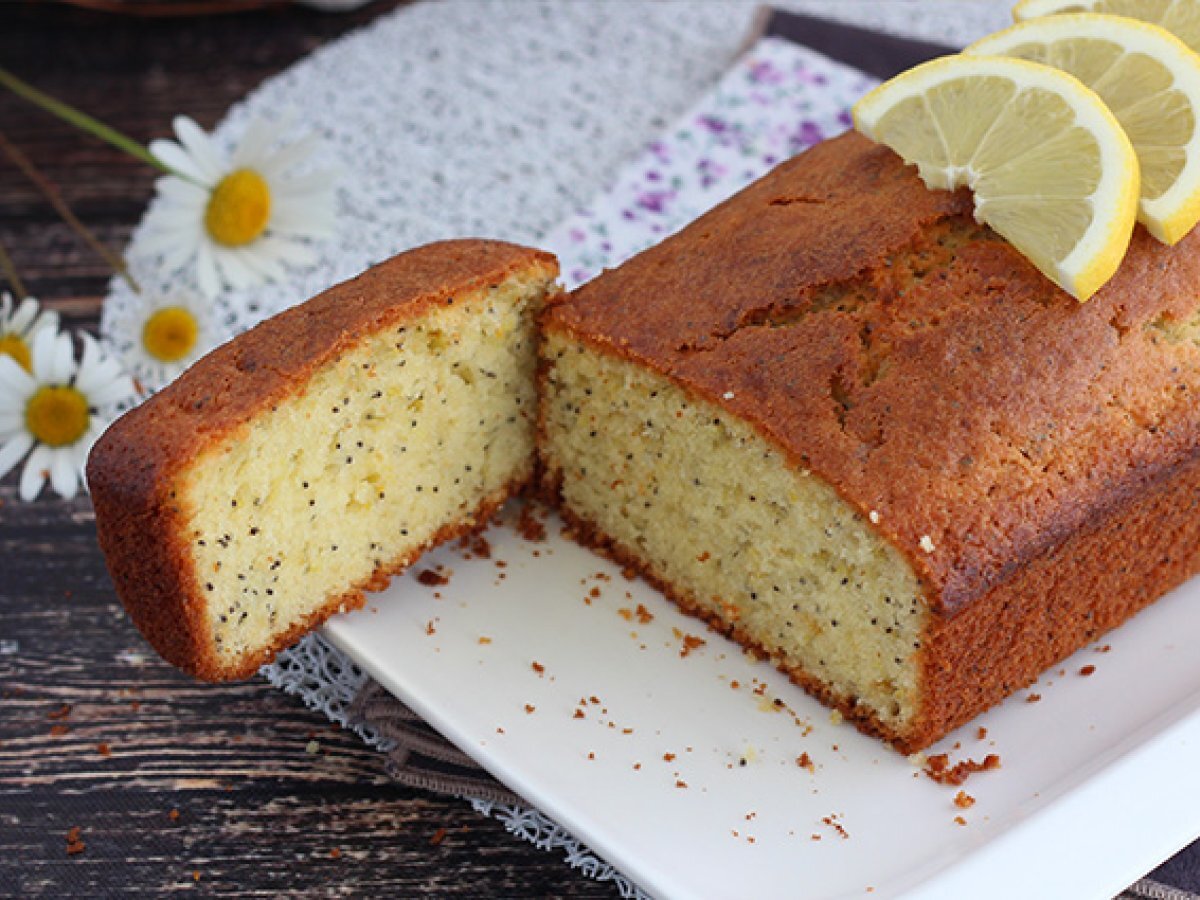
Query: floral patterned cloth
column 778, row 100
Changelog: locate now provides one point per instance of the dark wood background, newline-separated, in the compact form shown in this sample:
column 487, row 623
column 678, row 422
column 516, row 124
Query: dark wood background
column 174, row 784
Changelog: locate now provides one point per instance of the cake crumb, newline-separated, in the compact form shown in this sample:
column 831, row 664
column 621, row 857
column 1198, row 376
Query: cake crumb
column 1033, row 698
column 940, row 770
column 981, row 733
column 1087, row 670
column 804, row 761
column 644, row 615
column 335, row 853
column 529, row 707
column 959, row 820
column 691, row 642
column 75, row 844
column 475, row 545
column 484, row 639
column 59, row 714
column 680, row 783
column 836, row 717
column 927, row 543
column 431, row 578
column 59, row 730
column 1103, row 648
column 963, row 800
column 832, row 821
column 579, row 714
column 103, row 749
column 668, row 757
column 430, row 628
column 173, row 815
column 438, row 836
column 538, row 667
column 312, row 747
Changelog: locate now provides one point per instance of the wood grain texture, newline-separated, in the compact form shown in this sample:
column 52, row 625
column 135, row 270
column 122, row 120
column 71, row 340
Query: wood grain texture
column 95, row 731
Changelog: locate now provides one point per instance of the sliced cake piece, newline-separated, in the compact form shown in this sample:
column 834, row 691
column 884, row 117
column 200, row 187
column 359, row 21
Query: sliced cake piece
column 311, row 457
column 858, row 432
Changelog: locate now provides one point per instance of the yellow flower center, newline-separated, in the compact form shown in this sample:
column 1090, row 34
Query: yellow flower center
column 14, row 345
column 238, row 209
column 57, row 416
column 169, row 335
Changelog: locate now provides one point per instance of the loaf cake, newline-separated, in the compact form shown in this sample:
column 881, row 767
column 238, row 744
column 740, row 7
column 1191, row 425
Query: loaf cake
column 313, row 456
column 859, row 433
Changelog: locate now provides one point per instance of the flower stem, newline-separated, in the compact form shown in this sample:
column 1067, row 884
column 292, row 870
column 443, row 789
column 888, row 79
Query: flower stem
column 51, row 192
column 10, row 272
column 81, row 120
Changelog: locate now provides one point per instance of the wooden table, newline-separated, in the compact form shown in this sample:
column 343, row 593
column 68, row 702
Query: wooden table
column 174, row 784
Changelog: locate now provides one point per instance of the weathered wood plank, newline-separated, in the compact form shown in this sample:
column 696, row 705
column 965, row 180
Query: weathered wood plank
column 257, row 814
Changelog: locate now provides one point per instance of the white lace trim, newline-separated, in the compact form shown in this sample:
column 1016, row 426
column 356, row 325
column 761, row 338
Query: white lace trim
column 502, row 119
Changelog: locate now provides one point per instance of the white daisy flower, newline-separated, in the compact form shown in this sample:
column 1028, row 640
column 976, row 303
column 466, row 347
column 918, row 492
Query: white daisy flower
column 19, row 325
column 239, row 221
column 166, row 334
column 53, row 411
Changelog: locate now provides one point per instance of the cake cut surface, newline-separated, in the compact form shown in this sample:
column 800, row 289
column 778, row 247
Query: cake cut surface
column 713, row 511
column 320, row 452
column 863, row 359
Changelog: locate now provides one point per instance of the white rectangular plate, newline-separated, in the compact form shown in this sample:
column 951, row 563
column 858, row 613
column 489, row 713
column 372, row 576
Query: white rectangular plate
column 691, row 786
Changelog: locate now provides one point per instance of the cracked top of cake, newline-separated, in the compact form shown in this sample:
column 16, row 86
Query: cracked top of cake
column 976, row 413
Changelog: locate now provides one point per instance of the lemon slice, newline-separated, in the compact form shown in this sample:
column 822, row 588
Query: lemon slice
column 1180, row 17
column 1151, row 82
column 1051, row 169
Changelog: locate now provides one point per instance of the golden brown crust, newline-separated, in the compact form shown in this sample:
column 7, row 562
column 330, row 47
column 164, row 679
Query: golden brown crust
column 914, row 361
column 132, row 468
column 1086, row 586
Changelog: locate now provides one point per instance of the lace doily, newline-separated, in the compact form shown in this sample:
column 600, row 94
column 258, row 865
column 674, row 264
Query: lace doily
column 505, row 119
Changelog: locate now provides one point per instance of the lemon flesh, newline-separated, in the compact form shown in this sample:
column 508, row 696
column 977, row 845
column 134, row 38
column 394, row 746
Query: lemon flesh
column 1050, row 167
column 1150, row 81
column 1180, row 17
